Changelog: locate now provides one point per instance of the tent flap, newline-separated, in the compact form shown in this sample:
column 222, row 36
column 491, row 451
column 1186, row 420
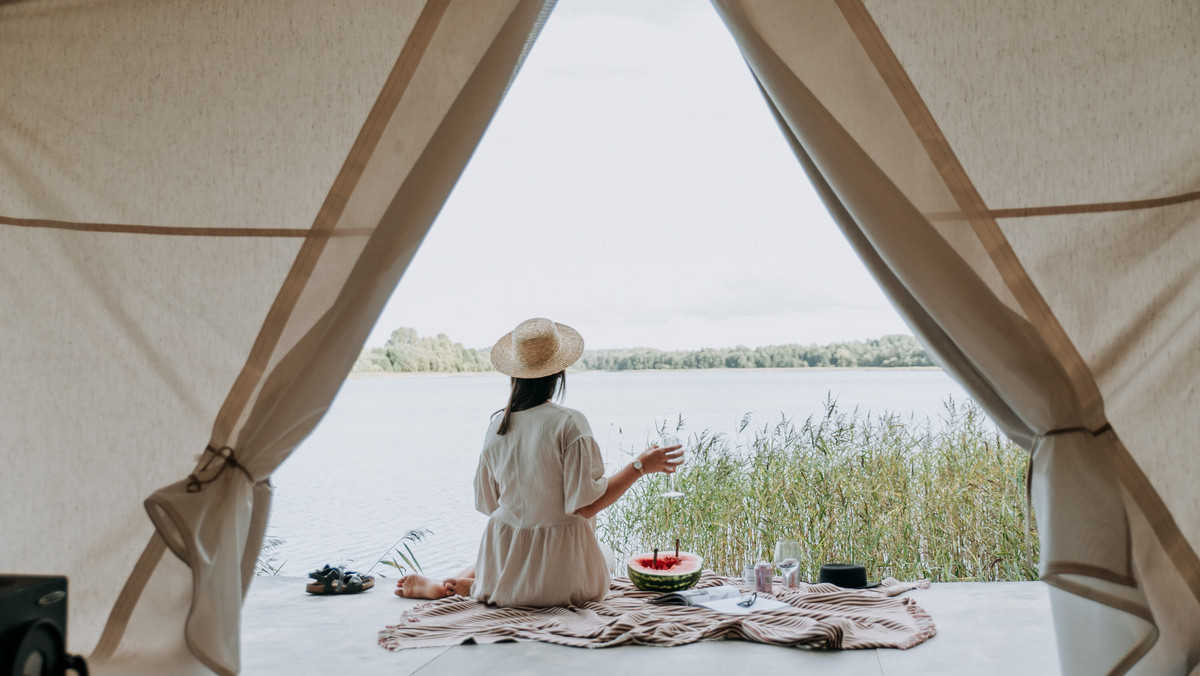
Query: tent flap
column 306, row 149
column 935, row 134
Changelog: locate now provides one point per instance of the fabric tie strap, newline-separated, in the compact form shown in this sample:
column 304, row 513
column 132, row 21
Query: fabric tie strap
column 229, row 458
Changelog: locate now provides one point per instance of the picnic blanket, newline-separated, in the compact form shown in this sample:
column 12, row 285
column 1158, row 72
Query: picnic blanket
column 820, row 616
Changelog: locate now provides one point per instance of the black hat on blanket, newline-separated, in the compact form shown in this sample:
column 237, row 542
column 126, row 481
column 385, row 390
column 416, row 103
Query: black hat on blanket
column 848, row 575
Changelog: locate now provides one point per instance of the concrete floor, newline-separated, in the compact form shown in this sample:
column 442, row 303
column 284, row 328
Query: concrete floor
column 984, row 629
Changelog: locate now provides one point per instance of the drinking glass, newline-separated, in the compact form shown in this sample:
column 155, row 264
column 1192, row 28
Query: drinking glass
column 669, row 439
column 787, row 559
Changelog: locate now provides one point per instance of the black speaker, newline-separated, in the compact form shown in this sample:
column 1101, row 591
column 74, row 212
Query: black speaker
column 33, row 627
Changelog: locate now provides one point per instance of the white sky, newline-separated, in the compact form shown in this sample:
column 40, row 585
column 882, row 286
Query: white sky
column 634, row 185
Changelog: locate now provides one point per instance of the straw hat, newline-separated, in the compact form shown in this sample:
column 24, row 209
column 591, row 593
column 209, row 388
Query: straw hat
column 537, row 348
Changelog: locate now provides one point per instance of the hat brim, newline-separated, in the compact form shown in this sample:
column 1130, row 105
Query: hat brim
column 869, row 585
column 570, row 348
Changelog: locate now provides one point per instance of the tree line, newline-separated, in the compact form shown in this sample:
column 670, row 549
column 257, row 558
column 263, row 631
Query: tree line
column 407, row 352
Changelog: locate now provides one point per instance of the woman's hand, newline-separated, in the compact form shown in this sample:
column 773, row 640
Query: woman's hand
column 665, row 459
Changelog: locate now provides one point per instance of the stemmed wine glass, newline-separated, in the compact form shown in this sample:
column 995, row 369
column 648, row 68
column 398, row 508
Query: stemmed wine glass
column 669, row 439
column 787, row 559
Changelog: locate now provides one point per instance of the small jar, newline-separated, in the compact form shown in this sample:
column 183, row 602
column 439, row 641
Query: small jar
column 748, row 576
column 764, row 574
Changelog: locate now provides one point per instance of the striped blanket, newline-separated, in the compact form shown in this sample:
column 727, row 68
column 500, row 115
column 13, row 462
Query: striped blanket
column 821, row 616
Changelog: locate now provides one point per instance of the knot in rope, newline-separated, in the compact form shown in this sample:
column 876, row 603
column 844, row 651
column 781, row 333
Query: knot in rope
column 228, row 458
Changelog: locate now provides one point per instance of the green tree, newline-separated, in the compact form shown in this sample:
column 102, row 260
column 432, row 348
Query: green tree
column 406, row 351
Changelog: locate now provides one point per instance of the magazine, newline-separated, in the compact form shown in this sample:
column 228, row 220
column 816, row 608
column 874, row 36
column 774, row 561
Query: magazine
column 723, row 599
column 754, row 604
column 694, row 597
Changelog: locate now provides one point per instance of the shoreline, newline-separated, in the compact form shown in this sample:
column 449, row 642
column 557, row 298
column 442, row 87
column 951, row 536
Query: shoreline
column 446, row 374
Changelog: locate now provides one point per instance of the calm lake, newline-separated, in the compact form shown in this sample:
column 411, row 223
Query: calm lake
column 396, row 453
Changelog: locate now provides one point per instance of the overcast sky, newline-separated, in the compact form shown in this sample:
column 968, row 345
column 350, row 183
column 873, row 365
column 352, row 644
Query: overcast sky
column 634, row 185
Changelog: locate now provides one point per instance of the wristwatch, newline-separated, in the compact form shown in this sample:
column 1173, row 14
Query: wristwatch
column 637, row 464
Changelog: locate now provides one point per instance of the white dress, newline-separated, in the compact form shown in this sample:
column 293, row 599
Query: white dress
column 535, row 550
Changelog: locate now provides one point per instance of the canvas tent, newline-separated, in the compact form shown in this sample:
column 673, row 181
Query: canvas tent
column 205, row 205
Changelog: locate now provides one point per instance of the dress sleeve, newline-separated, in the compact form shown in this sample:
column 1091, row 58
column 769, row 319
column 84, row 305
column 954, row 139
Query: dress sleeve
column 583, row 474
column 487, row 492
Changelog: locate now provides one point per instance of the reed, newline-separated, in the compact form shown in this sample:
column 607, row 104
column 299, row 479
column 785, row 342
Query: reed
column 941, row 500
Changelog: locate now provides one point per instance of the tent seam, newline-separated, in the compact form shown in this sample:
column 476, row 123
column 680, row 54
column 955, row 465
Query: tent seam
column 178, row 231
column 1068, row 209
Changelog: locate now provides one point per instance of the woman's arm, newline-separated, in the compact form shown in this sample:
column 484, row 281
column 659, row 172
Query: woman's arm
column 665, row 459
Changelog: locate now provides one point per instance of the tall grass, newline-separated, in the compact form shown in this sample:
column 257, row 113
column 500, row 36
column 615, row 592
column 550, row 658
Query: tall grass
column 911, row 500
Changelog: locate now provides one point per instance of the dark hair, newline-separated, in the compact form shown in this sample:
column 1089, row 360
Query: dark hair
column 530, row 392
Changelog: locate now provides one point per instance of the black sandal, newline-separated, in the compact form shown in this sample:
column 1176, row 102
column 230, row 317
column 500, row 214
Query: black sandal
column 338, row 581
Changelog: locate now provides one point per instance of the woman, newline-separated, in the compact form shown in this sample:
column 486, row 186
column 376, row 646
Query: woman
column 541, row 482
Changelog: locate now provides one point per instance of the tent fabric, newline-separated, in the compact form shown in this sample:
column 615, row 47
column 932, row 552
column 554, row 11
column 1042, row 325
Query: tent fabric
column 1023, row 183
column 203, row 208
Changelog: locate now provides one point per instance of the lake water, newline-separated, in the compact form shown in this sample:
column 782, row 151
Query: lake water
column 396, row 453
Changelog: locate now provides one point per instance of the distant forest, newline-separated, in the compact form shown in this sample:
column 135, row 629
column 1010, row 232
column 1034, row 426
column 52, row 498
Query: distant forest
column 406, row 352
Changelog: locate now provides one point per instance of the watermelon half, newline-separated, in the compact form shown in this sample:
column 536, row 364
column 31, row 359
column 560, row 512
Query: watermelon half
column 669, row 573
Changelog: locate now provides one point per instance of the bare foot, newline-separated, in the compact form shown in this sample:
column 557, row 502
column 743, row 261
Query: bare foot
column 420, row 587
column 459, row 585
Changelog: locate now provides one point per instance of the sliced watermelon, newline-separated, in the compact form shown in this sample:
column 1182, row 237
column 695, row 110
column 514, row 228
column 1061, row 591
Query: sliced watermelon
column 666, row 574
